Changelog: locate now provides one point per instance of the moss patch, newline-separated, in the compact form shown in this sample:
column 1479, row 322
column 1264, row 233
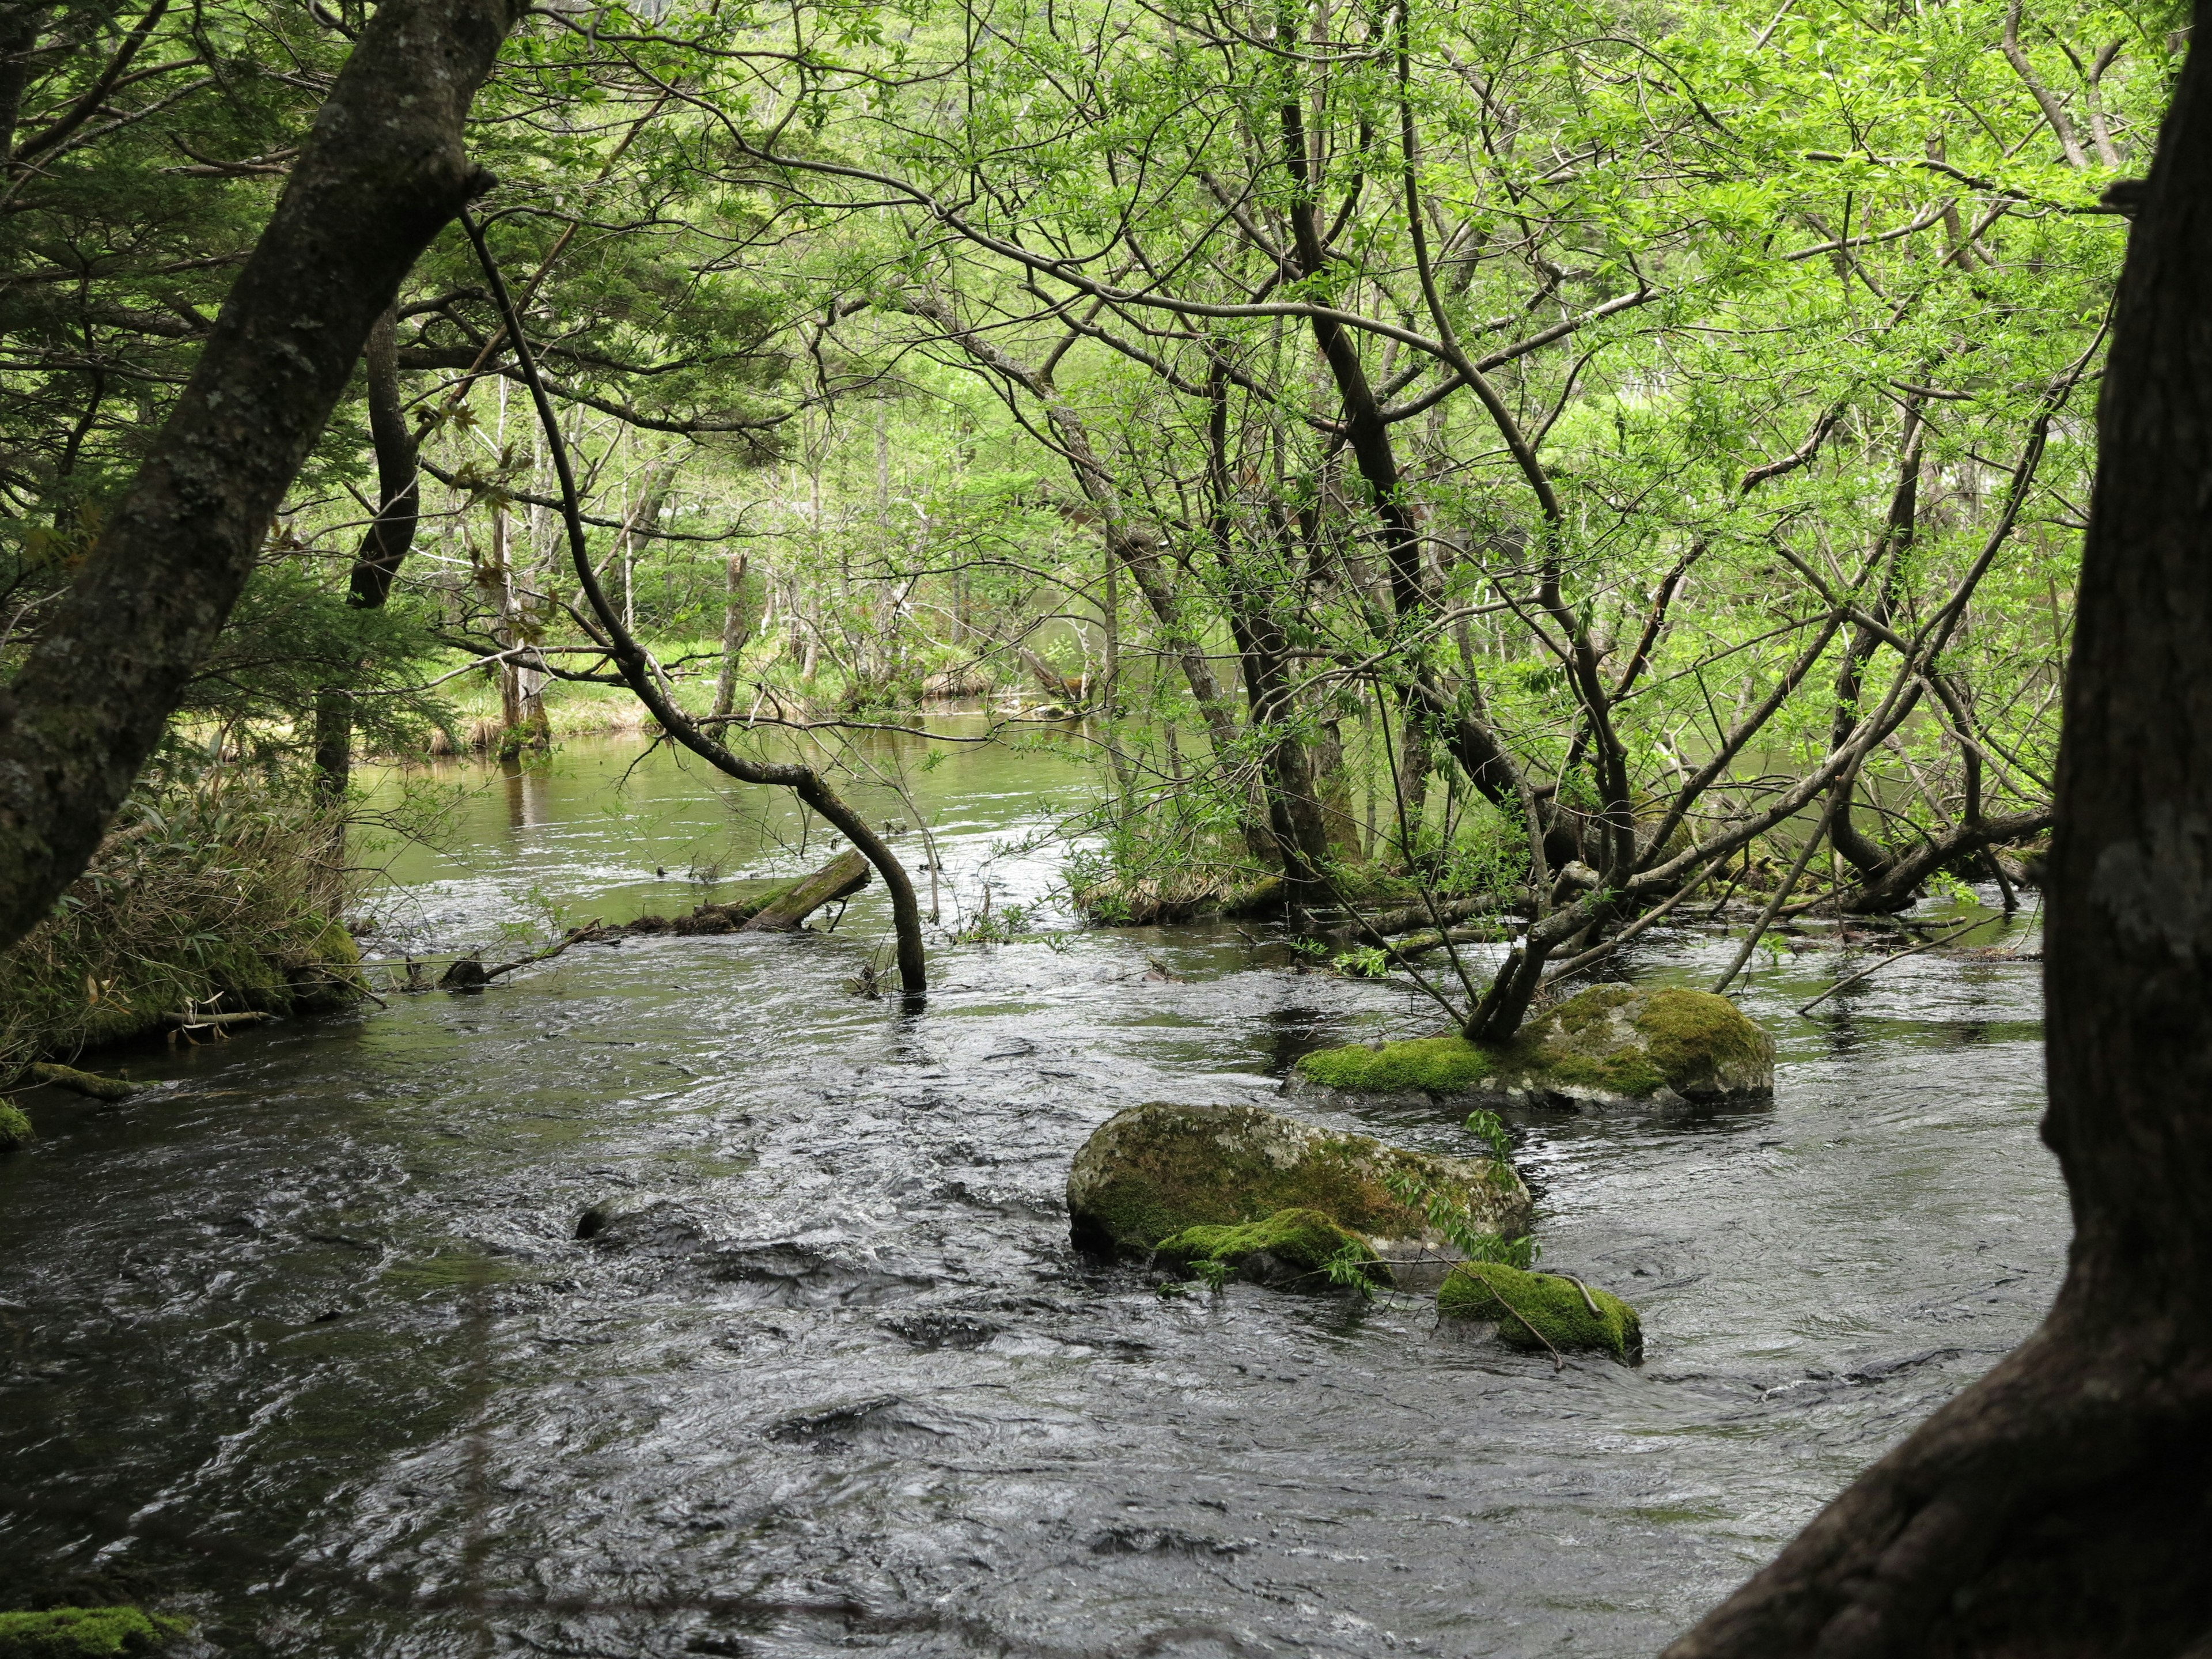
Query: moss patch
column 1152, row 1171
column 83, row 1632
column 1548, row 1303
column 14, row 1128
column 1693, row 1034
column 1440, row 1065
column 1305, row 1240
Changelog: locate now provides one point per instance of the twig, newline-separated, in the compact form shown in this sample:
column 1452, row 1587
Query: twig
column 1781, row 897
column 1558, row 1361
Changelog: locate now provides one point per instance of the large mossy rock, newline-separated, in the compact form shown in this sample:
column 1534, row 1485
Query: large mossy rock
column 1615, row 1045
column 14, row 1128
column 1152, row 1172
column 1544, row 1311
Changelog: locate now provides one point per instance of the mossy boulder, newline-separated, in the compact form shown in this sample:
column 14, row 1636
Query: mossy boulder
column 83, row 1632
column 1291, row 1248
column 1533, row 1309
column 14, row 1128
column 1615, row 1045
column 1152, row 1172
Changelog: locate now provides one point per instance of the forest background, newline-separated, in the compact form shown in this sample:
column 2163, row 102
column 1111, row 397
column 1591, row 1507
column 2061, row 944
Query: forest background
column 1465, row 474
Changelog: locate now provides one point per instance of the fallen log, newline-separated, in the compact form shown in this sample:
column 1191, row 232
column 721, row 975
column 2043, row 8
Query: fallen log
column 779, row 911
column 843, row 877
column 84, row 1083
column 1374, row 927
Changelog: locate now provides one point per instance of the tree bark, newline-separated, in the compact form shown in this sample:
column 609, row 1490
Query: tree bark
column 384, row 169
column 383, row 545
column 843, row 877
column 2059, row 1506
column 737, row 627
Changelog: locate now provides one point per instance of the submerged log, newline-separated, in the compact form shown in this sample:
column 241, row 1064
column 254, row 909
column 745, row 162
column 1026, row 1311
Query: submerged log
column 780, row 910
column 843, row 877
column 84, row 1083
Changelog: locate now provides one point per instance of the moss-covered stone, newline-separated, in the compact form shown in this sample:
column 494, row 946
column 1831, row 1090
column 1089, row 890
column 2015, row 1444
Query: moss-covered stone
column 1154, row 1171
column 83, row 1632
column 1613, row 1045
column 14, row 1128
column 1533, row 1310
column 1290, row 1247
column 1437, row 1066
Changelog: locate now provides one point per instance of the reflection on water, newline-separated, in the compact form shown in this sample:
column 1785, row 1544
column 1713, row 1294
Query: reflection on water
column 832, row 1378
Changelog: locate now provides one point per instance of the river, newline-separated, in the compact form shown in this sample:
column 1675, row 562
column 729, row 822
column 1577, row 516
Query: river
column 306, row 1341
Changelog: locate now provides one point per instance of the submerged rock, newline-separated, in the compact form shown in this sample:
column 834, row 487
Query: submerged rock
column 1543, row 1310
column 1154, row 1172
column 84, row 1632
column 1615, row 1045
column 655, row 1228
column 1292, row 1249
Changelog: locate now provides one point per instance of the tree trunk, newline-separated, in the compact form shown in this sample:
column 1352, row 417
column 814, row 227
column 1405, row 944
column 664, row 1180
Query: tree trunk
column 383, row 545
column 2059, row 1506
column 736, row 626
column 382, row 172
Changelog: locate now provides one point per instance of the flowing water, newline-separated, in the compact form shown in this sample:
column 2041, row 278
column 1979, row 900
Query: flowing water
column 306, row 1340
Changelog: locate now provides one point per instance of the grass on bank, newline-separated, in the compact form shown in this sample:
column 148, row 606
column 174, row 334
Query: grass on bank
column 222, row 894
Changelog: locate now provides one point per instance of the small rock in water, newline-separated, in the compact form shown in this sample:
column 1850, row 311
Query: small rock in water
column 1542, row 1310
column 659, row 1228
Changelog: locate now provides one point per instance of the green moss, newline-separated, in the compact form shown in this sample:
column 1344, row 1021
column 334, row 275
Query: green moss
column 14, row 1128
column 1442, row 1065
column 1549, row 1303
column 1300, row 1238
column 1692, row 1032
column 82, row 1632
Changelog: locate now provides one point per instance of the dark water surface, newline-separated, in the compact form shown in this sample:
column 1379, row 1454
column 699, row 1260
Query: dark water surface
column 316, row 1318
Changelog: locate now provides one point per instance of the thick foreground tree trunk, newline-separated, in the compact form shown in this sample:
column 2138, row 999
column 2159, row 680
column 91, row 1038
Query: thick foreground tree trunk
column 383, row 171
column 2063, row 1505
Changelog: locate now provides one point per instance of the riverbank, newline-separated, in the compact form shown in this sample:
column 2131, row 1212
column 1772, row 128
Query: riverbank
column 203, row 905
